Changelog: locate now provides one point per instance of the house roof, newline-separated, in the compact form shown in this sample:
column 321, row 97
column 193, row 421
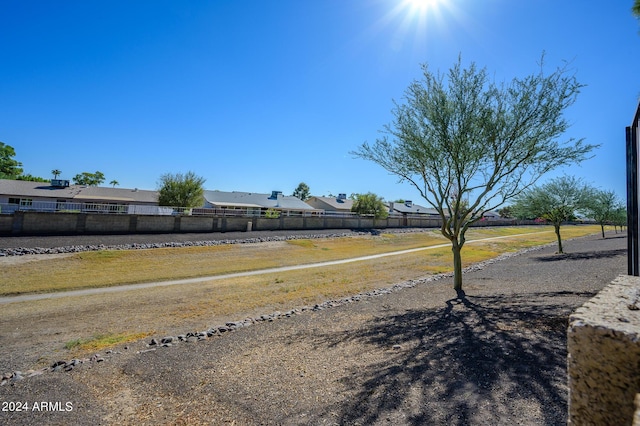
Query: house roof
column 412, row 208
column 92, row 193
column 256, row 200
column 79, row 193
column 493, row 215
column 331, row 203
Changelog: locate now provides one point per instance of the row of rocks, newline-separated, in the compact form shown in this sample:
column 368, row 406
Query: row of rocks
column 58, row 366
column 20, row 251
column 222, row 329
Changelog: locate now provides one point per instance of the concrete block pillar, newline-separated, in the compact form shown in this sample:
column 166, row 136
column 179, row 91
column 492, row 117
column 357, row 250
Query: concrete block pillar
column 603, row 343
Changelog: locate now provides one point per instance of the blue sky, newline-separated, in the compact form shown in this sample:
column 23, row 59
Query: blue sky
column 261, row 95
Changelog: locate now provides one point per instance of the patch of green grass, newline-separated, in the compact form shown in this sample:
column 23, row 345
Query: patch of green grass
column 301, row 243
column 102, row 255
column 74, row 343
column 101, row 341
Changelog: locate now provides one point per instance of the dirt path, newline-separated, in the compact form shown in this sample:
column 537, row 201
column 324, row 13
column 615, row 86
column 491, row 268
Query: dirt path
column 413, row 356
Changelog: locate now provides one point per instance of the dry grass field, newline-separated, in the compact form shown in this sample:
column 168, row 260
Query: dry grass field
column 92, row 322
column 117, row 267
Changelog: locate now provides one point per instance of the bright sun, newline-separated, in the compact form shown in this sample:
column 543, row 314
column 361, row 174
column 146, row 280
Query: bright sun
column 422, row 5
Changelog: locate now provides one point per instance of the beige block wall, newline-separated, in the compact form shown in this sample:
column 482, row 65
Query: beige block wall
column 292, row 222
column 100, row 223
column 603, row 342
column 6, row 224
column 196, row 224
column 230, row 224
column 49, row 223
column 266, row 224
column 155, row 224
column 313, row 222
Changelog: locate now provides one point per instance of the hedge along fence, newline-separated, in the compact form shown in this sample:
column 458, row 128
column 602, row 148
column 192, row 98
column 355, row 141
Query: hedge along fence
column 48, row 223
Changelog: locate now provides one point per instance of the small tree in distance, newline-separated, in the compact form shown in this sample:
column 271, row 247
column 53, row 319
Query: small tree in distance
column 603, row 207
column 505, row 212
column 557, row 201
column 302, row 191
column 178, row 190
column 620, row 218
column 369, row 204
column 469, row 145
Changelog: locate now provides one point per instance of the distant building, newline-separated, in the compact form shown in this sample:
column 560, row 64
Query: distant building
column 60, row 195
column 408, row 208
column 339, row 204
column 492, row 216
column 254, row 203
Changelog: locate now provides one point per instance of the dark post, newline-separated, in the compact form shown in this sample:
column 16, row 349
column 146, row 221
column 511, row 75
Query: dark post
column 633, row 260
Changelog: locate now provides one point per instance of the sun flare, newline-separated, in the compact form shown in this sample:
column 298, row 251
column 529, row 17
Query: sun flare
column 423, row 5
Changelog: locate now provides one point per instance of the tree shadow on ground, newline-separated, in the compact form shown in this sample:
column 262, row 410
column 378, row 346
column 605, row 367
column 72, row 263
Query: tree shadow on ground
column 585, row 255
column 477, row 360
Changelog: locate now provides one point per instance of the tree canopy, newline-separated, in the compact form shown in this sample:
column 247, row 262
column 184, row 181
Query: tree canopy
column 9, row 167
column 30, row 177
column 468, row 145
column 620, row 218
column 302, row 191
column 557, row 201
column 603, row 207
column 369, row 204
column 89, row 179
column 181, row 190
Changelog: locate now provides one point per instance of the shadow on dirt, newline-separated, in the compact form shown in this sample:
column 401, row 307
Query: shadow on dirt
column 621, row 235
column 587, row 255
column 478, row 360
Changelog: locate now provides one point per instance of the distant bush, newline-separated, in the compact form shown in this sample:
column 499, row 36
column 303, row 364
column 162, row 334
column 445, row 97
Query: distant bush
column 272, row 214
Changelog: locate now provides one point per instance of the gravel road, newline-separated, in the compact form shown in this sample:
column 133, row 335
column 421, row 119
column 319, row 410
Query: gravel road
column 415, row 356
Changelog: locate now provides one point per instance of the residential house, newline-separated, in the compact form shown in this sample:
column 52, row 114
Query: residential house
column 60, row 195
column 339, row 204
column 491, row 216
column 253, row 203
column 409, row 208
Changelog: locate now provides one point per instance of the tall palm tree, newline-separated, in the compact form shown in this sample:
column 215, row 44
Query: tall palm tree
column 56, row 173
column 114, row 183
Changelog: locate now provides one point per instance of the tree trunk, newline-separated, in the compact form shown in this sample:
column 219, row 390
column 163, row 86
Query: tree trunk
column 457, row 266
column 557, row 228
column 602, row 227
